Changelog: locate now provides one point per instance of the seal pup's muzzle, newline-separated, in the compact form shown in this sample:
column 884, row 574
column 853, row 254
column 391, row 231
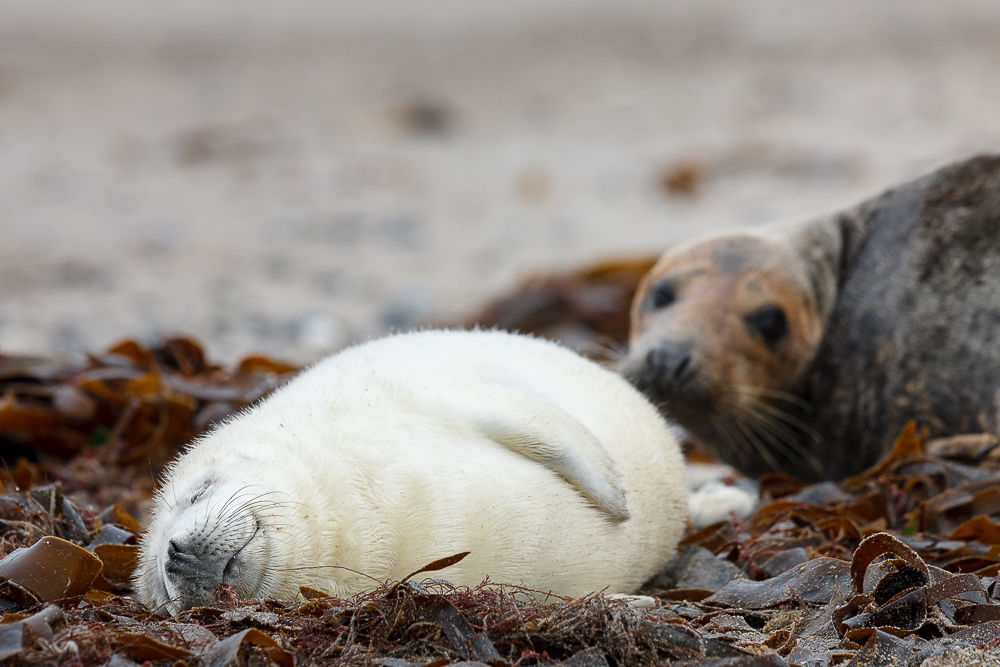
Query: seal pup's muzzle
column 212, row 535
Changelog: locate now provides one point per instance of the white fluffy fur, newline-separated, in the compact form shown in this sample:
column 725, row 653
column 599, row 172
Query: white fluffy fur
column 372, row 463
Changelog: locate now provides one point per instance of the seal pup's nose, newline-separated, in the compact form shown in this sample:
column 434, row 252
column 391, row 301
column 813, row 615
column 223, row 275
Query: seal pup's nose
column 179, row 561
column 185, row 560
column 195, row 572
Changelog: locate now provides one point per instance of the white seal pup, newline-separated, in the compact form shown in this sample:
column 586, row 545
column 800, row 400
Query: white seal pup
column 552, row 471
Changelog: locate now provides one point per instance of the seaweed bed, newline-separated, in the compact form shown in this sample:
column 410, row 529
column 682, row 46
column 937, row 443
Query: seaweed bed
column 897, row 566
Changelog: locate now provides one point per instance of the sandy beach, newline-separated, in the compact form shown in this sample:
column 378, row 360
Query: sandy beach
column 288, row 178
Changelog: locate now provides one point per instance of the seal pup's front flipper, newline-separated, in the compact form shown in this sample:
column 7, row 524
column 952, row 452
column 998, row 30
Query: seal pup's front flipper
column 533, row 426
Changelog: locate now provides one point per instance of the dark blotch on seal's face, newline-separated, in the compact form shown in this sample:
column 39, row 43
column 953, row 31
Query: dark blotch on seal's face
column 722, row 334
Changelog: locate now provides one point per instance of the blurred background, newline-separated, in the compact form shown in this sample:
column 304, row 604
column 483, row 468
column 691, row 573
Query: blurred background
column 289, row 177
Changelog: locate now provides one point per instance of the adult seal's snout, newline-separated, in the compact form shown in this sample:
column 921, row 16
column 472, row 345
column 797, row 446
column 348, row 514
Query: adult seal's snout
column 669, row 366
column 666, row 370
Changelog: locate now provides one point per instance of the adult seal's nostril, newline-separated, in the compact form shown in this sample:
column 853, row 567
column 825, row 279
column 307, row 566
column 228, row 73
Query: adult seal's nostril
column 682, row 363
column 655, row 365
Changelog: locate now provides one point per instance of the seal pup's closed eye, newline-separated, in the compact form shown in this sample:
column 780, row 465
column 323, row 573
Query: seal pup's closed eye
column 553, row 472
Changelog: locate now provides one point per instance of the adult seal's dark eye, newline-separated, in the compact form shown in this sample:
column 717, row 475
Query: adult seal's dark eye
column 770, row 322
column 663, row 295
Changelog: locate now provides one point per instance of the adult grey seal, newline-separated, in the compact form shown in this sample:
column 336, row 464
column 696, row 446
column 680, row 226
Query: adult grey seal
column 552, row 471
column 806, row 347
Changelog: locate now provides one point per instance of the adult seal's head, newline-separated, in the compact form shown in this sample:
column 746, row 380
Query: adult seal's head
column 805, row 348
column 552, row 471
column 724, row 330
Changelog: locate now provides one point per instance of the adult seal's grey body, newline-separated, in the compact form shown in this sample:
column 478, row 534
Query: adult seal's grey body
column 806, row 347
column 552, row 471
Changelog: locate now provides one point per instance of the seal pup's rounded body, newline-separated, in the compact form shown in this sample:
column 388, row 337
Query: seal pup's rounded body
column 550, row 470
column 806, row 347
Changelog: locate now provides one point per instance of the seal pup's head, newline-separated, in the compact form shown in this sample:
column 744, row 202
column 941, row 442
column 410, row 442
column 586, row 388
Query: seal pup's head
column 214, row 528
column 723, row 331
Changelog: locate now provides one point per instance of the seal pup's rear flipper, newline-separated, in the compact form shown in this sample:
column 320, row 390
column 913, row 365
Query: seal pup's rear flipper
column 535, row 427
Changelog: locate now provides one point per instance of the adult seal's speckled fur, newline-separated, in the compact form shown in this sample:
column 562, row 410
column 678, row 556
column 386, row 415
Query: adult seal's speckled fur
column 551, row 471
column 805, row 348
